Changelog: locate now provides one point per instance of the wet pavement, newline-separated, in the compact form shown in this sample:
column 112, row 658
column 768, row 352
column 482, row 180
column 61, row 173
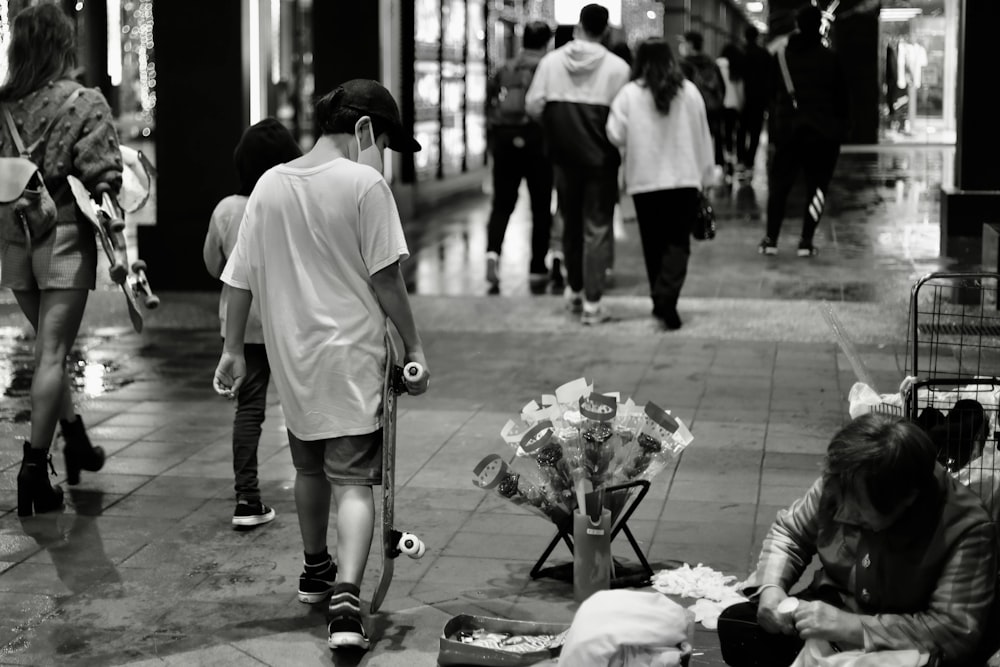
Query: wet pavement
column 143, row 567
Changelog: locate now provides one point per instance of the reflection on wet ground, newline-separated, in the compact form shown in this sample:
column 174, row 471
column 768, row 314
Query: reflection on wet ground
column 879, row 232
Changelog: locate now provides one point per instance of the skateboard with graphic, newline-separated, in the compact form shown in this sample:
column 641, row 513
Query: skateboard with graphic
column 394, row 542
column 107, row 222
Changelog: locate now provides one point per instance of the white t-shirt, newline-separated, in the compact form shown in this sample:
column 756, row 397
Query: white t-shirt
column 308, row 246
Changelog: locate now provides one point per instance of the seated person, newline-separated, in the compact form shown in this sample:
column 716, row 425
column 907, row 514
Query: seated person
column 908, row 558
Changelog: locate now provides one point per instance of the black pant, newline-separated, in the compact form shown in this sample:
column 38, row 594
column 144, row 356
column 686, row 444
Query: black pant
column 587, row 198
column 251, row 403
column 516, row 158
column 730, row 127
column 745, row 644
column 715, row 127
column 814, row 155
column 665, row 218
column 748, row 135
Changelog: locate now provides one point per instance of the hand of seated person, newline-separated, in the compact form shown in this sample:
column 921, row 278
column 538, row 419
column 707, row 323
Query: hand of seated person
column 768, row 616
column 819, row 620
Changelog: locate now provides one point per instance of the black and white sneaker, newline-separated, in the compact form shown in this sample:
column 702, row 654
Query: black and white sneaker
column 316, row 582
column 807, row 250
column 347, row 631
column 767, row 247
column 249, row 514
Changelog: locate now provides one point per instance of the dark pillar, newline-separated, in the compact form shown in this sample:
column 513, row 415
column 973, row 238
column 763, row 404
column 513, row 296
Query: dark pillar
column 974, row 200
column 346, row 38
column 200, row 115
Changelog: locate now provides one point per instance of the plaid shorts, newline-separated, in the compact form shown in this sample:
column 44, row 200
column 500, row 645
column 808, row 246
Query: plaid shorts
column 65, row 259
column 349, row 459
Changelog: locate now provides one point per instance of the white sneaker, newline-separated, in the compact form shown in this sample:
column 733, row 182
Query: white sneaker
column 574, row 300
column 593, row 313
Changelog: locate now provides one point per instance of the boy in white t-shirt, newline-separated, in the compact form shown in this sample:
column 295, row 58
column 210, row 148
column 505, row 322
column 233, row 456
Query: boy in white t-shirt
column 319, row 249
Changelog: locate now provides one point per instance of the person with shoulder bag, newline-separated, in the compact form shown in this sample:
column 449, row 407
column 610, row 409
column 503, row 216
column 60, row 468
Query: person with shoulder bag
column 48, row 256
column 659, row 122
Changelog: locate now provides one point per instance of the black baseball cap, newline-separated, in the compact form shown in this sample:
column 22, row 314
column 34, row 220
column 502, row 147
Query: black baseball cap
column 372, row 98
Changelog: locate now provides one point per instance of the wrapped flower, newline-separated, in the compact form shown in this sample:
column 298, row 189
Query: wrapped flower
column 494, row 473
column 660, row 439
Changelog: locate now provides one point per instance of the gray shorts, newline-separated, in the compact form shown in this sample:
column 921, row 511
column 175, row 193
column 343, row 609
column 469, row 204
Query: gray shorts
column 347, row 460
column 65, row 259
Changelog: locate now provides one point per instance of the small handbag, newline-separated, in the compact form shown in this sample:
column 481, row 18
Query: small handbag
column 704, row 220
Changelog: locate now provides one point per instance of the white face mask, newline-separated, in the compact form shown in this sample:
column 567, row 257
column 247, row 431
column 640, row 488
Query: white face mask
column 368, row 152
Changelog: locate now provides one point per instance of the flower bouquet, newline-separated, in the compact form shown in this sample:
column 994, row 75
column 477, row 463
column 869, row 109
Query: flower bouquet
column 575, row 442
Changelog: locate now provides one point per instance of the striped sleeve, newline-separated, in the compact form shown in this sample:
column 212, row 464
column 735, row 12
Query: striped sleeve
column 952, row 626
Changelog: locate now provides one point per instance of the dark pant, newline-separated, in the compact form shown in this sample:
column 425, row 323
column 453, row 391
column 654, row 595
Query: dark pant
column 250, row 406
column 748, row 135
column 665, row 218
column 715, row 123
column 730, row 125
column 814, row 155
column 514, row 159
column 745, row 644
column 587, row 198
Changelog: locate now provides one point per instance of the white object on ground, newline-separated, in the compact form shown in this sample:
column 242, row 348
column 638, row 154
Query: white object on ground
column 714, row 590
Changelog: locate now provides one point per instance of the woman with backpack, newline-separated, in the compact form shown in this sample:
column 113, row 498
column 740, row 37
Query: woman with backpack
column 659, row 122
column 65, row 129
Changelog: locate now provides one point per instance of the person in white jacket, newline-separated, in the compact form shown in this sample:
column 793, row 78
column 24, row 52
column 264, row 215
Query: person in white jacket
column 659, row 122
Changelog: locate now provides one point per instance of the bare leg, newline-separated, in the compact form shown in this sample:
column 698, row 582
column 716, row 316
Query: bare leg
column 312, row 504
column 355, row 527
column 55, row 316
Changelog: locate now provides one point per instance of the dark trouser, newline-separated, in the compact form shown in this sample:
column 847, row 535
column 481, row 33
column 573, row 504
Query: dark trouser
column 748, row 135
column 815, row 156
column 587, row 198
column 511, row 164
column 745, row 644
column 665, row 218
column 715, row 127
column 730, row 124
column 251, row 402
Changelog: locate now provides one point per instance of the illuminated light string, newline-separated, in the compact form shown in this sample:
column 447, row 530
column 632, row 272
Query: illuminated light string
column 147, row 68
column 4, row 37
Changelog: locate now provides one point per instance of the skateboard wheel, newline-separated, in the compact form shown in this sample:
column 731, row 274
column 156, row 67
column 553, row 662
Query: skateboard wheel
column 138, row 265
column 413, row 372
column 117, row 225
column 411, row 545
column 152, row 302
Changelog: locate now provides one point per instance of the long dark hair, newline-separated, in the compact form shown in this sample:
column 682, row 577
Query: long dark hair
column 42, row 49
column 656, row 66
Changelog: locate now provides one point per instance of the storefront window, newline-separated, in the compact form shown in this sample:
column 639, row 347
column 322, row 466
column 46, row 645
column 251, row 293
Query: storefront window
column 918, row 58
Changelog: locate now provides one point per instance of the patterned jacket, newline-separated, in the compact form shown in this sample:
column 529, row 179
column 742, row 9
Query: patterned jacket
column 926, row 582
column 83, row 141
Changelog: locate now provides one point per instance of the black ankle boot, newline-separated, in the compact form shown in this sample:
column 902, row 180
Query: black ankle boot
column 33, row 486
column 79, row 453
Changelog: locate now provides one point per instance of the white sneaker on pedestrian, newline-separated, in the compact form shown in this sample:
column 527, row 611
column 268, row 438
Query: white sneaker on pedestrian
column 593, row 313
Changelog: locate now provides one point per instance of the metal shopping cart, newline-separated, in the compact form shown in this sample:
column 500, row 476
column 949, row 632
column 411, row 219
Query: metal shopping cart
column 953, row 338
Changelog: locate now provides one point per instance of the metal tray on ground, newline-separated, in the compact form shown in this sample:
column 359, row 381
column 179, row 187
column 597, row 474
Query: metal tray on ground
column 453, row 651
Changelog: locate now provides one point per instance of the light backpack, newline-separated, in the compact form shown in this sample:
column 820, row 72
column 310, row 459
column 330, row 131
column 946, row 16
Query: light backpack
column 27, row 210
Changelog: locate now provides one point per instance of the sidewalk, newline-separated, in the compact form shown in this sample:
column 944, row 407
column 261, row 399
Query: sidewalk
column 144, row 568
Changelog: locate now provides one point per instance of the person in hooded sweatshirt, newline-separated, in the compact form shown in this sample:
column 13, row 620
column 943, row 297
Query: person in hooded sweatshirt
column 262, row 146
column 807, row 122
column 571, row 94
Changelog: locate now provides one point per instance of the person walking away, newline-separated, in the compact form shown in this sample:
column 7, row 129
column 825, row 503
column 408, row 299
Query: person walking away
column 67, row 130
column 262, row 146
column 756, row 70
column 660, row 123
column 730, row 64
column 320, row 248
column 571, row 93
column 518, row 148
column 703, row 71
column 807, row 123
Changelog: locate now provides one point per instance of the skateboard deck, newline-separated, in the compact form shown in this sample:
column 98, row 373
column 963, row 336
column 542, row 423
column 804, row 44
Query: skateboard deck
column 103, row 224
column 140, row 286
column 394, row 542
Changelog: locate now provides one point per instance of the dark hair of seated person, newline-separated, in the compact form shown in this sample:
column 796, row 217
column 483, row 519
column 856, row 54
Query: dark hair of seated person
column 891, row 456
